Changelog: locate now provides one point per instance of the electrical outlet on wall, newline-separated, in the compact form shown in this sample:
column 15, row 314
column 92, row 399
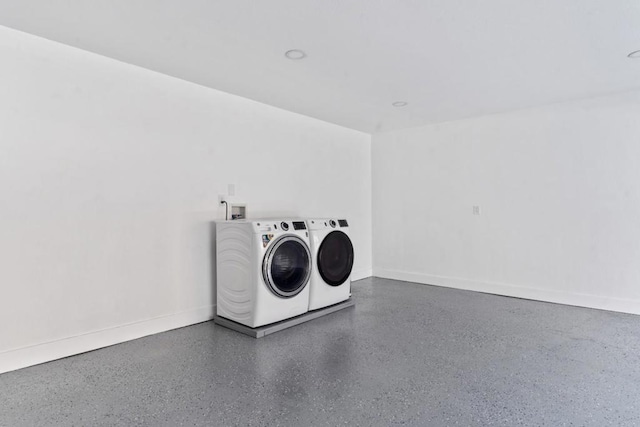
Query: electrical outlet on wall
column 476, row 210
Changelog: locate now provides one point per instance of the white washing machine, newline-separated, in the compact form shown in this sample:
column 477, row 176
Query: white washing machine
column 263, row 270
column 332, row 254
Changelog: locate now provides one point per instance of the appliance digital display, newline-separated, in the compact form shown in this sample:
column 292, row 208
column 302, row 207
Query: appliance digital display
column 299, row 225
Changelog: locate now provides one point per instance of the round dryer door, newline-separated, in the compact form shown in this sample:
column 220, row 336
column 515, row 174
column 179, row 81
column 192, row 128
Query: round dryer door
column 335, row 258
column 287, row 266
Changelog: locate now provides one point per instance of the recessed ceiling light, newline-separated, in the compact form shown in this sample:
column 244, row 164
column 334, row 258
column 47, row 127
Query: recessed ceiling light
column 399, row 104
column 634, row 55
column 295, row 54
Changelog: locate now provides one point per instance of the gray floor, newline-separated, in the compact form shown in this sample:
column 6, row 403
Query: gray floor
column 407, row 354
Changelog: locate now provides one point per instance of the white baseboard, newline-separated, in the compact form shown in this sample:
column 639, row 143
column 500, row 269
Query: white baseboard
column 548, row 295
column 39, row 353
column 361, row 274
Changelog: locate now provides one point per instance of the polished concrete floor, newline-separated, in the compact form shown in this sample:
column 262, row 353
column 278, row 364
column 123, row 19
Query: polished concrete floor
column 407, row 354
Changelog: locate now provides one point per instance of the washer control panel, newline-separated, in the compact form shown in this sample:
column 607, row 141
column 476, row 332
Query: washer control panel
column 270, row 225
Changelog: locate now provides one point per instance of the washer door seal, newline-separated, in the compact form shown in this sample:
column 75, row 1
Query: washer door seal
column 287, row 266
column 335, row 258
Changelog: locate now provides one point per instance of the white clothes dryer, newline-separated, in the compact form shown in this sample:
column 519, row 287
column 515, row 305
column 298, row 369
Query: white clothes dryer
column 333, row 256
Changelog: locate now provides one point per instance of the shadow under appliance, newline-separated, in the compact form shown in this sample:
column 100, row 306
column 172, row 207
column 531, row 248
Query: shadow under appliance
column 263, row 270
column 332, row 253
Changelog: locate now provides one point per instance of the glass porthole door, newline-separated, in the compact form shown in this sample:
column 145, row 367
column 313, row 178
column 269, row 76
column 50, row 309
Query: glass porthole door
column 335, row 258
column 287, row 266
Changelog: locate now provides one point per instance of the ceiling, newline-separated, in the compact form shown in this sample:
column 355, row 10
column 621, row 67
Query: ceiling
column 449, row 59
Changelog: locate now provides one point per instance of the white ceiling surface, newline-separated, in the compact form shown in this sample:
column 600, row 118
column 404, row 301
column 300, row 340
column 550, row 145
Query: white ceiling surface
column 449, row 59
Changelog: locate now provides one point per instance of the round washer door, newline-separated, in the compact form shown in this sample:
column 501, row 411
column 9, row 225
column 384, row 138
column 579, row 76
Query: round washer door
column 335, row 258
column 287, row 266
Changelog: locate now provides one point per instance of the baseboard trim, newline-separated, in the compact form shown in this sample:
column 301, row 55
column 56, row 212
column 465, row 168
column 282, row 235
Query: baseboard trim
column 11, row 360
column 559, row 297
column 361, row 274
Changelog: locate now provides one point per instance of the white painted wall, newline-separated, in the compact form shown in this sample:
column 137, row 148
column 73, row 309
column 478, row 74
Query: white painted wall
column 559, row 190
column 109, row 181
